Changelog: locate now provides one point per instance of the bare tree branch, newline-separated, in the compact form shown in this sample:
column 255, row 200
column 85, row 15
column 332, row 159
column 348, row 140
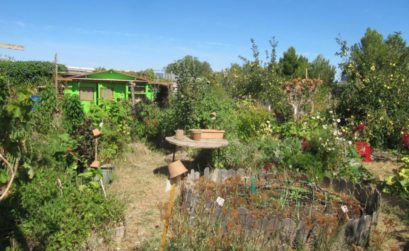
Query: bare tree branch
column 13, row 170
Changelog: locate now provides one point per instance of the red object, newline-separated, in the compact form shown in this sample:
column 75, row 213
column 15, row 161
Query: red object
column 364, row 149
column 359, row 127
column 405, row 138
column 305, row 145
column 268, row 166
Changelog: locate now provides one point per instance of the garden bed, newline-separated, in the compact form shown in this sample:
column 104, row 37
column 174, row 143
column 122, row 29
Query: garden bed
column 284, row 210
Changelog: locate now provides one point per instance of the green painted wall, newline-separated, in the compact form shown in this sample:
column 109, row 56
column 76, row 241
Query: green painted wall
column 120, row 90
column 73, row 88
column 149, row 92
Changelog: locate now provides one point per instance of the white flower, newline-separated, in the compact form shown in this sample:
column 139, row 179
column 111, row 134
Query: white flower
column 318, row 116
column 338, row 120
column 331, row 112
column 350, row 142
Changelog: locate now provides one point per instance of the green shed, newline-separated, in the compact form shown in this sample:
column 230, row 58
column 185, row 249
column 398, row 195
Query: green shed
column 107, row 85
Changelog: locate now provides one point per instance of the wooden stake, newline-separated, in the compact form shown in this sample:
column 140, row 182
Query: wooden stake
column 56, row 74
column 168, row 215
column 96, row 149
column 132, row 84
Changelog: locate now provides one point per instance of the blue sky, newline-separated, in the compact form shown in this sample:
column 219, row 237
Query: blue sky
column 135, row 35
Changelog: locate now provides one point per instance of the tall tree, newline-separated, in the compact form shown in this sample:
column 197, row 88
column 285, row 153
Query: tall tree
column 377, row 71
column 320, row 68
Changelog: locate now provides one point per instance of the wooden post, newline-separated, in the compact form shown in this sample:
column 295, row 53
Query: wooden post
column 96, row 149
column 132, row 92
column 56, row 74
column 168, row 214
column 12, row 46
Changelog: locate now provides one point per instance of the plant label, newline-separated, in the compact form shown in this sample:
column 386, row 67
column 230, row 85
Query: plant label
column 167, row 188
column 220, row 201
column 344, row 209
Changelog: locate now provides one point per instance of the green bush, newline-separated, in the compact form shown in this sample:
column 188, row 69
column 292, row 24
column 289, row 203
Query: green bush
column 115, row 119
column 73, row 114
column 398, row 184
column 55, row 215
column 42, row 113
column 28, row 72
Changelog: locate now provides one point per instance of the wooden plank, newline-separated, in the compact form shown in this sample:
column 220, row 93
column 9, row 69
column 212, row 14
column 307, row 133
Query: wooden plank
column 12, row 46
column 204, row 143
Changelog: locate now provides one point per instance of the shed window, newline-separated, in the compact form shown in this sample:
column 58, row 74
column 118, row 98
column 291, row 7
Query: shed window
column 107, row 93
column 86, row 93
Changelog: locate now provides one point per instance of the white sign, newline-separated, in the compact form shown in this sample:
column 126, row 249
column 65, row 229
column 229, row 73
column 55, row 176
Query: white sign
column 167, row 188
column 220, row 201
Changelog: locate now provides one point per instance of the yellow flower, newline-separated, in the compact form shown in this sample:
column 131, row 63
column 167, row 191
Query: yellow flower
column 373, row 68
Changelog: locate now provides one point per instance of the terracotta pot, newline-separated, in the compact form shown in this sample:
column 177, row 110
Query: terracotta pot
column 96, row 133
column 179, row 134
column 199, row 134
column 196, row 134
column 95, row 164
column 176, row 169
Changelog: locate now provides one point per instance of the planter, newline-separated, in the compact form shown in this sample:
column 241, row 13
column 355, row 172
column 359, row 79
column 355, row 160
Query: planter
column 180, row 134
column 107, row 175
column 199, row 134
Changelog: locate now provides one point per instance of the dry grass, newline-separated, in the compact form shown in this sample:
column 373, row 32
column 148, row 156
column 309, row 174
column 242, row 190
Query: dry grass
column 139, row 182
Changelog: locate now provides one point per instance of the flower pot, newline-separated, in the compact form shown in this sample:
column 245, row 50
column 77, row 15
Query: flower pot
column 107, row 175
column 179, row 134
column 196, row 134
column 199, row 134
column 176, row 169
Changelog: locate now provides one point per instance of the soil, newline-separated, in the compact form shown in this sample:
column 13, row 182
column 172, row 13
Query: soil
column 382, row 169
column 140, row 181
column 392, row 231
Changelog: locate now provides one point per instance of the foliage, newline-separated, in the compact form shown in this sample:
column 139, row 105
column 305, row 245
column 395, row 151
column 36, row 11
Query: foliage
column 28, row 72
column 399, row 183
column 73, row 114
column 114, row 119
column 189, row 67
column 320, row 68
column 300, row 93
column 376, row 89
column 42, row 112
column 55, row 215
column 253, row 120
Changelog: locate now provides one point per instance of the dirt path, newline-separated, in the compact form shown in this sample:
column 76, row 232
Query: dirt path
column 138, row 183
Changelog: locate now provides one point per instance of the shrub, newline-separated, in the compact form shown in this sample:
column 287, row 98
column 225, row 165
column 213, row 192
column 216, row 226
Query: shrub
column 115, row 119
column 56, row 215
column 28, row 72
column 398, row 184
column 42, row 113
column 73, row 114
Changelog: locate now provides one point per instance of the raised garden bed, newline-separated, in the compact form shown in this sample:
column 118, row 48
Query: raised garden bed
column 286, row 211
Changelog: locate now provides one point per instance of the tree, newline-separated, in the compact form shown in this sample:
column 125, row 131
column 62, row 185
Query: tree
column 376, row 90
column 190, row 66
column 289, row 62
column 300, row 93
column 320, row 68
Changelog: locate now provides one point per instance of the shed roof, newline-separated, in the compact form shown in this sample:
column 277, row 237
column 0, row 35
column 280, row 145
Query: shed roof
column 109, row 76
